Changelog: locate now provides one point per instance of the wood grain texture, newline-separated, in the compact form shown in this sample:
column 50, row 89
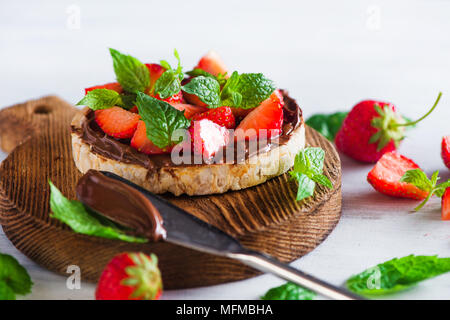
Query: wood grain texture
column 265, row 218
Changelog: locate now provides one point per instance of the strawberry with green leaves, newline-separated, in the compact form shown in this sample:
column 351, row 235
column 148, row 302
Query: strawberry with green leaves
column 373, row 128
column 387, row 172
column 445, row 151
column 130, row 276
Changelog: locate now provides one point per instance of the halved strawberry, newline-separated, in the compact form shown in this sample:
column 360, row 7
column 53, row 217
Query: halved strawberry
column 189, row 109
column 117, row 122
column 142, row 144
column 266, row 119
column 212, row 63
column 445, row 152
column 207, row 137
column 385, row 177
column 445, row 209
column 111, row 86
column 156, row 71
column 222, row 116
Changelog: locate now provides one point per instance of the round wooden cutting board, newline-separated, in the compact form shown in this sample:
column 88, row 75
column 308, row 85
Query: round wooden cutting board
column 266, row 218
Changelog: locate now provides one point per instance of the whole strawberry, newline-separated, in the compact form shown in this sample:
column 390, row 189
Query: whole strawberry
column 373, row 128
column 130, row 276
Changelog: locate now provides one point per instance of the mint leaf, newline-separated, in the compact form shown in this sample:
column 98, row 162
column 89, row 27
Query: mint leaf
column 397, row 274
column 132, row 74
column 14, row 279
column 289, row 291
column 169, row 83
column 98, row 99
column 221, row 78
column 254, row 89
column 327, row 124
column 419, row 179
column 206, row 88
column 6, row 293
column 307, row 170
column 74, row 214
column 161, row 119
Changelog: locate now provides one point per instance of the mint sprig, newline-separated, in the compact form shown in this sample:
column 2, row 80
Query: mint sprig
column 99, row 99
column 14, row 279
column 397, row 274
column 419, row 179
column 308, row 168
column 221, row 77
column 132, row 74
column 79, row 219
column 161, row 120
column 289, row 291
column 170, row 81
column 246, row 91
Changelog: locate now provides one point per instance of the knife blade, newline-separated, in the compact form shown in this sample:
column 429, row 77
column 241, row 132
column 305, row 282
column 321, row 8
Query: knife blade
column 186, row 230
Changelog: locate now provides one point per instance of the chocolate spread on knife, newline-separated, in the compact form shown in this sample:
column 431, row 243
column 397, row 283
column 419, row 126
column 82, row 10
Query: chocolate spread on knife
column 121, row 150
column 121, row 203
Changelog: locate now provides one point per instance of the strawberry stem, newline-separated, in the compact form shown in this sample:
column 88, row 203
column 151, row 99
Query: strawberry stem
column 424, row 201
column 423, row 117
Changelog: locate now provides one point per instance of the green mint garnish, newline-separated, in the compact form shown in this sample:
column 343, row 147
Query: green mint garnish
column 246, row 91
column 79, row 219
column 161, row 120
column 132, row 74
column 397, row 274
column 419, row 179
column 170, row 81
column 14, row 279
column 289, row 291
column 308, row 168
column 98, row 99
column 327, row 124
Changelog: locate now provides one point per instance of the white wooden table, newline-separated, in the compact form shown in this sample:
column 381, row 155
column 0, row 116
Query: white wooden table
column 329, row 55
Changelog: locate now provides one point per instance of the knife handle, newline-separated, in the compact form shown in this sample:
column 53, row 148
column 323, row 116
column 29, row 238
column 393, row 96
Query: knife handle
column 268, row 264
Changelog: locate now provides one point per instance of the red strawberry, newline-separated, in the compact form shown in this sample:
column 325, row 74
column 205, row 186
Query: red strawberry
column 156, row 71
column 385, row 177
column 130, row 276
column 371, row 129
column 212, row 63
column 445, row 209
column 267, row 116
column 117, row 122
column 222, row 116
column 446, row 150
column 208, row 137
column 142, row 144
column 111, row 86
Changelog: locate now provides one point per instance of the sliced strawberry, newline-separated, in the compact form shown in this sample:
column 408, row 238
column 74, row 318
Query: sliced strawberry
column 142, row 144
column 189, row 109
column 117, row 122
column 385, row 177
column 222, row 116
column 111, row 86
column 266, row 119
column 445, row 209
column 212, row 63
column 193, row 99
column 207, row 137
column 156, row 71
column 446, row 151
column 134, row 109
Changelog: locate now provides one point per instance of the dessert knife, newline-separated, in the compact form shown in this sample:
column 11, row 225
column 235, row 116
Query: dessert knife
column 188, row 231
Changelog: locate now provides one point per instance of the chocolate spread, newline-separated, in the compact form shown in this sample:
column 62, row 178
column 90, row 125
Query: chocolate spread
column 121, row 150
column 121, row 203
